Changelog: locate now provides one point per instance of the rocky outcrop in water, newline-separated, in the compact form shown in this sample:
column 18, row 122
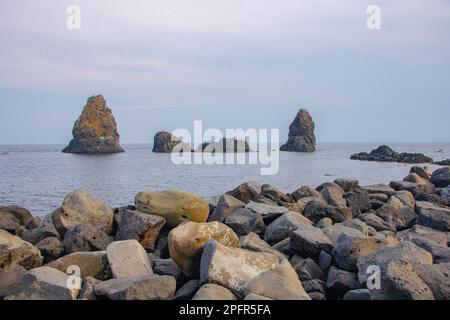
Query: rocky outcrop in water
column 226, row 145
column 318, row 245
column 386, row 154
column 301, row 134
column 95, row 131
column 165, row 142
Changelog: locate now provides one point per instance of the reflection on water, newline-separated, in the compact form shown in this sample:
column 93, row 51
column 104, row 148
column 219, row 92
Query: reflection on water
column 38, row 177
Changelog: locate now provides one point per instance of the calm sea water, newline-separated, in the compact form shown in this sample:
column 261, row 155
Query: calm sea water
column 38, row 177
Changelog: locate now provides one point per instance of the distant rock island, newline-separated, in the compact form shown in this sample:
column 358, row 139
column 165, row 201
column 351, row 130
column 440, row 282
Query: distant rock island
column 386, row 154
column 95, row 131
column 165, row 142
column 301, row 134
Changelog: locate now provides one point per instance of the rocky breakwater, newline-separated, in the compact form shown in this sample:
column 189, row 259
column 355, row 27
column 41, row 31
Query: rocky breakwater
column 95, row 131
column 254, row 242
column 386, row 154
column 301, row 134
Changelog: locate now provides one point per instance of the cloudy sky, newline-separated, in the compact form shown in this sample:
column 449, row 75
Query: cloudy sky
column 161, row 64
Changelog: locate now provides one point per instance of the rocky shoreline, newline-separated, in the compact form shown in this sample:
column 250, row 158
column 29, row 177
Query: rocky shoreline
column 254, row 242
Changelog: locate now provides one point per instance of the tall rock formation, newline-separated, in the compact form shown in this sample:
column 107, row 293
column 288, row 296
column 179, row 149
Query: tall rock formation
column 95, row 131
column 301, row 134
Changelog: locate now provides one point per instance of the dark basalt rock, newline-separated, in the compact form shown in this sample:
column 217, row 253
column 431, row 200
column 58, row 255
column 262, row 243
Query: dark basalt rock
column 386, row 154
column 95, row 131
column 445, row 162
column 164, row 142
column 226, row 145
column 301, row 134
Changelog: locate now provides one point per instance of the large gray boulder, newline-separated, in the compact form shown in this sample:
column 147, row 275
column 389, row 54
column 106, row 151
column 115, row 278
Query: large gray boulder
column 244, row 221
column 441, row 177
column 84, row 237
column 226, row 205
column 308, row 241
column 433, row 216
column 284, row 226
column 128, row 259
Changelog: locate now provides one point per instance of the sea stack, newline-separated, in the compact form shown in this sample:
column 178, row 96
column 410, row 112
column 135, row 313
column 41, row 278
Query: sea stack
column 301, row 134
column 95, row 131
column 164, row 142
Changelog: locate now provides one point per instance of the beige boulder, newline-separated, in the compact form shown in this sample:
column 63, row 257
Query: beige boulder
column 175, row 206
column 211, row 291
column 80, row 207
column 91, row 264
column 186, row 243
column 14, row 250
column 128, row 259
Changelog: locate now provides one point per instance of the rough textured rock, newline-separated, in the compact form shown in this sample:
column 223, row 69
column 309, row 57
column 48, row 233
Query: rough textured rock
column 175, row 206
column 268, row 212
column 186, row 243
column 358, row 201
column 150, row 287
column 301, row 134
column 348, row 185
column 399, row 218
column 358, row 294
column 437, row 277
column 421, row 232
column 95, row 131
column 79, row 207
column 308, row 241
column 374, row 221
column 128, row 259
column 244, row 221
column 226, row 145
column 140, row 226
column 316, row 210
column 45, row 229
column 280, row 283
column 440, row 253
column 445, row 162
column 15, row 220
column 91, row 264
column 386, row 154
column 275, row 194
column 305, row 192
column 333, row 195
column 253, row 242
column 43, row 283
column 339, row 282
column 233, row 268
column 51, row 249
column 336, row 230
column 422, row 172
column 165, row 142
column 413, row 187
column 307, row 269
column 349, row 248
column 433, row 216
column 14, row 250
column 211, row 291
column 9, row 277
column 188, row 290
column 246, row 191
column 284, row 226
column 87, row 289
column 225, row 207
column 441, row 177
column 84, row 237
column 167, row 267
column 379, row 188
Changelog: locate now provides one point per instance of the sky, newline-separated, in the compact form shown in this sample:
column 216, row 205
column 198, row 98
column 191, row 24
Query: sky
column 161, row 64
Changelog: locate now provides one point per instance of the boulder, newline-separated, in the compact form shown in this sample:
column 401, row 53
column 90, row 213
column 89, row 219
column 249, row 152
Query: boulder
column 420, row 232
column 405, row 197
column 91, row 264
column 358, row 294
column 441, row 254
column 422, row 172
column 175, row 206
column 165, row 142
column 437, row 278
column 305, row 192
column 149, row 287
column 188, row 290
column 211, row 291
column 243, row 221
column 441, row 177
column 79, row 207
column 308, row 241
column 87, row 289
column 301, row 134
column 233, row 268
column 128, row 259
column 336, row 230
column 279, row 283
column 246, row 191
column 225, row 145
column 43, row 283
column 375, row 222
column 314, row 286
column 380, row 188
column 84, row 237
column 333, row 195
column 45, row 229
column 140, row 226
column 284, row 226
column 433, row 216
column 15, row 220
column 413, row 187
column 14, row 250
column 358, row 201
column 167, row 267
column 225, row 207
column 253, row 242
column 347, row 185
column 186, row 243
column 273, row 193
column 398, row 218
column 95, row 131
column 9, row 277
column 316, row 210
column 307, row 269
column 350, row 248
column 51, row 249
column 268, row 212
column 339, row 282
column 324, row 223
column 325, row 260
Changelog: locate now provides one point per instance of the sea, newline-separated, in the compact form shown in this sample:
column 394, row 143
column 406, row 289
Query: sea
column 38, row 177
